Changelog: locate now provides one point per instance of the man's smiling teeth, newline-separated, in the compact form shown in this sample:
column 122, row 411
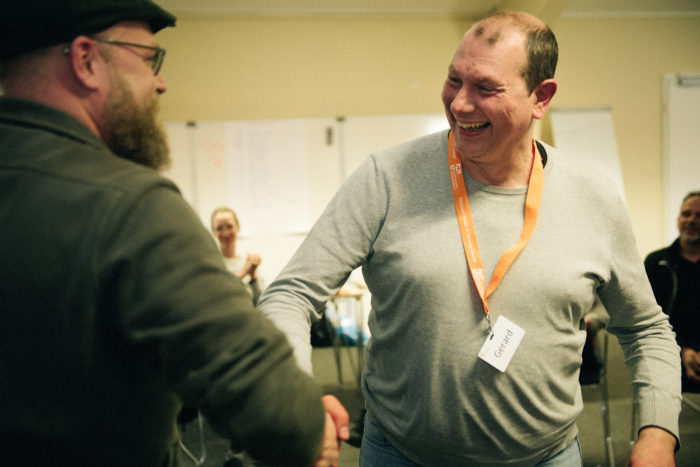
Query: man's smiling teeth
column 472, row 126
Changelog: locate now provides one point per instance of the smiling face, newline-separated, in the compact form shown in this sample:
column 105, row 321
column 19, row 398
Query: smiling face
column 225, row 227
column 486, row 98
column 689, row 221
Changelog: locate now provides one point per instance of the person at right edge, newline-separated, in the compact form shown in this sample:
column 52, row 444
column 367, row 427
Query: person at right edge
column 115, row 305
column 475, row 346
column 674, row 273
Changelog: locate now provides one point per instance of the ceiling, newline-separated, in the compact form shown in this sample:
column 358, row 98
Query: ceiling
column 467, row 8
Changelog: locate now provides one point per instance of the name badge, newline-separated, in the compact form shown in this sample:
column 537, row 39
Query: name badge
column 500, row 345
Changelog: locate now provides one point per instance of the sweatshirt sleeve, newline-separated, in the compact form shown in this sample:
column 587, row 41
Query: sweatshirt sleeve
column 177, row 304
column 643, row 330
column 339, row 242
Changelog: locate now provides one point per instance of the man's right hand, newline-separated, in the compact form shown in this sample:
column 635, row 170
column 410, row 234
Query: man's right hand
column 330, row 447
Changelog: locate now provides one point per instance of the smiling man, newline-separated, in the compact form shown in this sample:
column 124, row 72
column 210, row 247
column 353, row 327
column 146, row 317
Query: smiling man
column 674, row 273
column 483, row 250
column 491, row 102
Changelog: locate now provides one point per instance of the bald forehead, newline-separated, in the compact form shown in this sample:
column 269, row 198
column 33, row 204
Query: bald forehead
column 487, row 32
column 502, row 25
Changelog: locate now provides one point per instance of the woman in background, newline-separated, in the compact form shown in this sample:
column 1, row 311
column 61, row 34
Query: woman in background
column 225, row 226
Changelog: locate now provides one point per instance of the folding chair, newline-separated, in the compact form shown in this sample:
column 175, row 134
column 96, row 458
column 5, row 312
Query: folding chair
column 349, row 334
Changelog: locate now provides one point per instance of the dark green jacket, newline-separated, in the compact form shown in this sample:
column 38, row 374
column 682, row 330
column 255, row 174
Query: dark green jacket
column 115, row 308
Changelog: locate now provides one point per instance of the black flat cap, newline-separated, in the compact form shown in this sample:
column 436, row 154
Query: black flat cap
column 27, row 25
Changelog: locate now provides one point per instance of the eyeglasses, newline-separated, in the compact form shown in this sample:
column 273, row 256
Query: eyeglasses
column 156, row 60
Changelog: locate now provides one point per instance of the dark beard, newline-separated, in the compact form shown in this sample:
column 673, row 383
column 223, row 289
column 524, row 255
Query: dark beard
column 133, row 132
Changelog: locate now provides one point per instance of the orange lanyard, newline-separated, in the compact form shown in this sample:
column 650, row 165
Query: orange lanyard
column 466, row 224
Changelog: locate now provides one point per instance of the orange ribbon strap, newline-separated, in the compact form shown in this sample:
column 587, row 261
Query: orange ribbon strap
column 466, row 225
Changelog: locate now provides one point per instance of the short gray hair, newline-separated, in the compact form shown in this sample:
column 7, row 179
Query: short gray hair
column 692, row 194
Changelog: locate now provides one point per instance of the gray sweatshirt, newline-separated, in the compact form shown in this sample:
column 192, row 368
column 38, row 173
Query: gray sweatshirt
column 423, row 383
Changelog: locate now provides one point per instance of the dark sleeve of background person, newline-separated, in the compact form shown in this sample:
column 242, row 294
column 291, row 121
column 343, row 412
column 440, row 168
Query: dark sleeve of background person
column 660, row 278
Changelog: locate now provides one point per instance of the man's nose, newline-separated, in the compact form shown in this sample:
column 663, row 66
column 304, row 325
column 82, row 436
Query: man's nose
column 462, row 103
column 161, row 87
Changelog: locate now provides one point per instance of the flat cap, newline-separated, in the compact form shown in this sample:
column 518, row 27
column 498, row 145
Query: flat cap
column 27, row 25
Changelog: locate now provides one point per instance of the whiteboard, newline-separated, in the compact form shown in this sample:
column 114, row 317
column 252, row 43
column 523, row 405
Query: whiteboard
column 363, row 136
column 267, row 176
column 279, row 175
column 681, row 145
column 589, row 135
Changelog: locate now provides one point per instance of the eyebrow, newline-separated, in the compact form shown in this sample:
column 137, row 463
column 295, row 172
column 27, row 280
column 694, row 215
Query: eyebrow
column 480, row 80
column 490, row 81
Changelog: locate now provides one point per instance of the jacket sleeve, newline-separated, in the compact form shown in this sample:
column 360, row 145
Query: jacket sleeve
column 661, row 277
column 178, row 305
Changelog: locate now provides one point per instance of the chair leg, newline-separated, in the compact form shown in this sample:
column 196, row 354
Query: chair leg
column 360, row 320
column 358, row 363
column 609, row 450
column 604, row 408
column 691, row 404
column 633, row 432
column 202, row 444
column 334, row 329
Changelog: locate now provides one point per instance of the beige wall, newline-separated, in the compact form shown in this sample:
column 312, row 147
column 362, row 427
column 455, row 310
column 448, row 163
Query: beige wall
column 230, row 68
column 253, row 68
column 620, row 63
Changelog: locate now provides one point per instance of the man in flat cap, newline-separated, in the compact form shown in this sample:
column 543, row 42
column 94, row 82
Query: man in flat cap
column 115, row 306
